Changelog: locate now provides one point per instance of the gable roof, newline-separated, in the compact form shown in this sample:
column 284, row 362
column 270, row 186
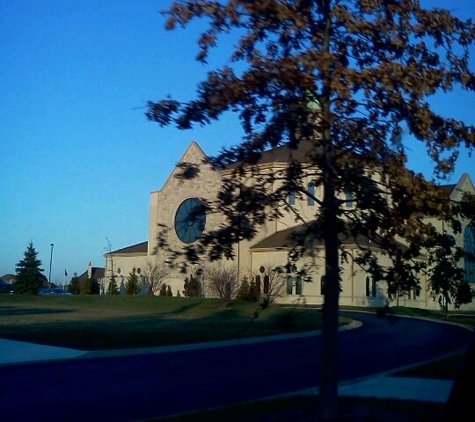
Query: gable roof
column 286, row 239
column 283, row 154
column 132, row 249
column 448, row 188
column 96, row 273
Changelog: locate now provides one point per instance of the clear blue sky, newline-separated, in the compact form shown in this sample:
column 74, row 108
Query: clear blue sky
column 78, row 157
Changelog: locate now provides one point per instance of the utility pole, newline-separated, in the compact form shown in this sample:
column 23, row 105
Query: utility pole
column 50, row 263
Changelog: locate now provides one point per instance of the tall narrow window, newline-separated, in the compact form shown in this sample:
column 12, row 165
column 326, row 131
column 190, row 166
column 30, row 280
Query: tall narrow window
column 266, row 284
column 350, row 199
column 311, row 193
column 289, row 285
column 469, row 249
column 373, row 287
column 322, row 285
column 258, row 284
column 292, row 197
column 367, row 286
column 298, row 285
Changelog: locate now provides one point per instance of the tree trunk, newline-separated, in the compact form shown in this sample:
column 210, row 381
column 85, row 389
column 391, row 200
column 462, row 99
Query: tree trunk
column 329, row 369
column 329, row 387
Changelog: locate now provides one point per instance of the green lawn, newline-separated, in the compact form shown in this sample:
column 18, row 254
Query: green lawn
column 117, row 322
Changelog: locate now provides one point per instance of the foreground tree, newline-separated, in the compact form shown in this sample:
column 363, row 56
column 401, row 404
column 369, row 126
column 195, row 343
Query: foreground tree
column 338, row 81
column 28, row 272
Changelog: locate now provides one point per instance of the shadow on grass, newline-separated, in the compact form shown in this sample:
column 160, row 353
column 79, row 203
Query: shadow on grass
column 14, row 311
column 184, row 308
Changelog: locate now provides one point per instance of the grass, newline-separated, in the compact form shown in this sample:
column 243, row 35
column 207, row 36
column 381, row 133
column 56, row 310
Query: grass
column 118, row 322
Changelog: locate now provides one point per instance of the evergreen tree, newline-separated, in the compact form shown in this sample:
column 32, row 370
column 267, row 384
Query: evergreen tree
column 244, row 291
column 74, row 286
column 90, row 286
column 169, row 291
column 85, row 286
column 28, row 272
column 113, row 288
column 95, row 287
column 132, row 286
column 192, row 287
column 254, row 291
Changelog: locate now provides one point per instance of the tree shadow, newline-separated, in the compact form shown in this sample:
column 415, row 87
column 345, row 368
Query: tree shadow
column 13, row 311
column 184, row 308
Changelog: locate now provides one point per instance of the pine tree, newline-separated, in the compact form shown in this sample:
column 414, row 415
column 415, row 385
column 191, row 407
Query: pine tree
column 95, row 287
column 132, row 286
column 28, row 272
column 74, row 287
column 192, row 287
column 254, row 291
column 244, row 291
column 113, row 289
column 90, row 286
column 169, row 291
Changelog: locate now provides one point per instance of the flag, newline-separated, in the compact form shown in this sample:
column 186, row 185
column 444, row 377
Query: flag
column 65, row 273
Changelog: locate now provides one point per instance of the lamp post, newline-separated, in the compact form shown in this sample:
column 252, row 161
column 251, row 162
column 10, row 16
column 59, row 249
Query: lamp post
column 50, row 263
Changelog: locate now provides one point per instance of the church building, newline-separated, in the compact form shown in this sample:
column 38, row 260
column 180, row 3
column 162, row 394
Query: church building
column 267, row 259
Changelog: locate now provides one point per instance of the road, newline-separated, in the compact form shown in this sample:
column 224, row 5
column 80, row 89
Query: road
column 131, row 388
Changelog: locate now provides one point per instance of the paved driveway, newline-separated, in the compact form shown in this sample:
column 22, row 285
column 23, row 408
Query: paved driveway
column 129, row 388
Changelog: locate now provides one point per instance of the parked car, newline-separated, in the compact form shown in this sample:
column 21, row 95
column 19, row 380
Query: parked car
column 53, row 291
column 6, row 287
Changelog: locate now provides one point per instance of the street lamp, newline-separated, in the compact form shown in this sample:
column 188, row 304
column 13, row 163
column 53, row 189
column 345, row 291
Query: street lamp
column 50, row 262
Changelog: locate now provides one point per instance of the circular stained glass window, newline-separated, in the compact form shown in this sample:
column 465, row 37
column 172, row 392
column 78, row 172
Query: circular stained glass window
column 190, row 220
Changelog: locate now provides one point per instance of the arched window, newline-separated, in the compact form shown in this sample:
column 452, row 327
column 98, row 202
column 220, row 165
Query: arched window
column 373, row 287
column 258, row 283
column 311, row 193
column 289, row 285
column 266, row 284
column 469, row 249
column 350, row 198
column 298, row 285
column 291, row 197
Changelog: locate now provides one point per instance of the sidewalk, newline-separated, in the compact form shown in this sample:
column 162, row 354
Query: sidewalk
column 390, row 387
column 380, row 386
column 12, row 352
